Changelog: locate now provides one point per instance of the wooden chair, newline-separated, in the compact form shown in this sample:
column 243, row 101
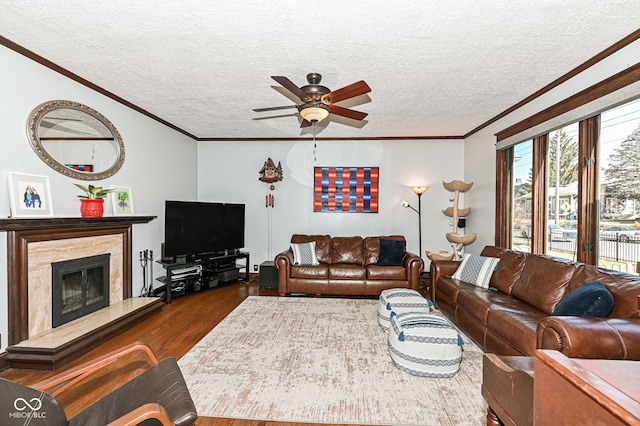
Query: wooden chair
column 507, row 385
column 154, row 395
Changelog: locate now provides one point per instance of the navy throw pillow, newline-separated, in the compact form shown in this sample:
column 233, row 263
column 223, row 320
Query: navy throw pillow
column 590, row 300
column 391, row 252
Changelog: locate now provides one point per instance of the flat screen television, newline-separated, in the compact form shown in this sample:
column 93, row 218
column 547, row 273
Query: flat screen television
column 195, row 229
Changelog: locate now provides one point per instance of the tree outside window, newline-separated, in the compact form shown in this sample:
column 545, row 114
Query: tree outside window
column 619, row 227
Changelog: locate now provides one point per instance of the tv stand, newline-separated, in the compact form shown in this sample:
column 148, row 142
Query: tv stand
column 203, row 272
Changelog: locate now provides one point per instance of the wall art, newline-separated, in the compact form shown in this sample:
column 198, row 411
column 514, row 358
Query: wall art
column 345, row 189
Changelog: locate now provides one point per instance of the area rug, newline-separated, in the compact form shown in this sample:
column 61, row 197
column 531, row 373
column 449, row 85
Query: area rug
column 321, row 360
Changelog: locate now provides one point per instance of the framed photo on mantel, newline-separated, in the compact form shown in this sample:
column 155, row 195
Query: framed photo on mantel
column 29, row 195
column 122, row 201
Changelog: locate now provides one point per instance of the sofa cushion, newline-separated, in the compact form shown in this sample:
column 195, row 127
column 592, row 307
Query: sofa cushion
column 511, row 266
column 476, row 269
column 493, row 251
column 372, row 247
column 375, row 272
column 320, row 271
column 590, row 300
column 450, row 287
column 543, row 281
column 477, row 301
column 516, row 322
column 304, row 253
column 323, row 245
column 343, row 271
column 347, row 250
column 391, row 252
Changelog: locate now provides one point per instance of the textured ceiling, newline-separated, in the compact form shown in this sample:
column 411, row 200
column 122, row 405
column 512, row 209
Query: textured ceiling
column 436, row 68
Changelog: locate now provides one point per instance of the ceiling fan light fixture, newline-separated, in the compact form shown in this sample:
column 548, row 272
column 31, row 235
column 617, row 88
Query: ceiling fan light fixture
column 316, row 111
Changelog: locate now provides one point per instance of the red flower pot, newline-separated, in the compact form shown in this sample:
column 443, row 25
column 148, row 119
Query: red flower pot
column 91, row 208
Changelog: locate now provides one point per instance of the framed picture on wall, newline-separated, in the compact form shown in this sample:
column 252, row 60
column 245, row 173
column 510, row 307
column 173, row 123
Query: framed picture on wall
column 345, row 189
column 122, row 201
column 29, row 195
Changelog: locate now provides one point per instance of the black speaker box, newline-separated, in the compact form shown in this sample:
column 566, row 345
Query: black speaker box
column 268, row 276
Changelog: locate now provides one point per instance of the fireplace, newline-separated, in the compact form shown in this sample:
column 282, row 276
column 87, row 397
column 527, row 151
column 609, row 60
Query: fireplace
column 32, row 246
column 79, row 287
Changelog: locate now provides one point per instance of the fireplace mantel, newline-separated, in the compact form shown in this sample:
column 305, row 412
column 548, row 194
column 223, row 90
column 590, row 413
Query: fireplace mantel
column 23, row 231
column 13, row 224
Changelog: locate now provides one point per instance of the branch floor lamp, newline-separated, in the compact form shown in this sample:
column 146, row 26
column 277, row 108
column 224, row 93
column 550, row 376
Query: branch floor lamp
column 419, row 190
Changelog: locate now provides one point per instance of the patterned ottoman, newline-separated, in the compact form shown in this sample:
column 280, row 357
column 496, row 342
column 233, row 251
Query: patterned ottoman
column 425, row 345
column 400, row 300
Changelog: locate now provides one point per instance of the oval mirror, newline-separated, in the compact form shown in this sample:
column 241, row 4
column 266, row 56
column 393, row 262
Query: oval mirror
column 75, row 140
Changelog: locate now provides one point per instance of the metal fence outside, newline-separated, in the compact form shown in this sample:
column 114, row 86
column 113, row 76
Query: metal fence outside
column 622, row 254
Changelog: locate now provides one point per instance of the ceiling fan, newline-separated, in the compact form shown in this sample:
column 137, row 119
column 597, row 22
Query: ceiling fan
column 318, row 101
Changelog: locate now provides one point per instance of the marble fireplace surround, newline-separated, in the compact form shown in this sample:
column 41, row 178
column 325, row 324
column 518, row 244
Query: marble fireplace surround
column 42, row 254
column 32, row 244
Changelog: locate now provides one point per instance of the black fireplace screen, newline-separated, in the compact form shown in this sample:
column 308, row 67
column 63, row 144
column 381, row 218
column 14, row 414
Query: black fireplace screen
column 79, row 287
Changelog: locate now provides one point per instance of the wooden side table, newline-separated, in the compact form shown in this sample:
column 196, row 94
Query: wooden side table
column 585, row 391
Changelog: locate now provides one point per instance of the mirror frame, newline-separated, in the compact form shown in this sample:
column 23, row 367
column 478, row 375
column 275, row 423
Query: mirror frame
column 33, row 124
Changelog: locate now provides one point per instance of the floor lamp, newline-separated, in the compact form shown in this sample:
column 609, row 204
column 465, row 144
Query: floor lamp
column 419, row 190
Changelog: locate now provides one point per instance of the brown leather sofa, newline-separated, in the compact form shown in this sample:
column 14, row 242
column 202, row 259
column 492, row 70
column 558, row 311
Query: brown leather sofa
column 347, row 266
column 513, row 316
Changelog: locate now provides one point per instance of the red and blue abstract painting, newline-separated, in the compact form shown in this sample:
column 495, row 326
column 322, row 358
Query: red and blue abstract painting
column 345, row 189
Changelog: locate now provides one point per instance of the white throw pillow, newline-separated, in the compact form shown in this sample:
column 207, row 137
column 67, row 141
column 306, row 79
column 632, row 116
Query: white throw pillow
column 304, row 254
column 476, row 269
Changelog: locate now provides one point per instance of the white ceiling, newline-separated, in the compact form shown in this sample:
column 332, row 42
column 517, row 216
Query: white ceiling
column 436, row 68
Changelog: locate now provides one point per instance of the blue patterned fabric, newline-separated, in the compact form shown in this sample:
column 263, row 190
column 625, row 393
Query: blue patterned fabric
column 476, row 269
column 425, row 345
column 304, row 254
column 396, row 300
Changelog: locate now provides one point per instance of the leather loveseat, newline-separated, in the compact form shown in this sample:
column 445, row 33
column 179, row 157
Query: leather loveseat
column 514, row 315
column 347, row 266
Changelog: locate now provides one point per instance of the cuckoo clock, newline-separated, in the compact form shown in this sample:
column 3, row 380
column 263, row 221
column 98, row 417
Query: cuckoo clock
column 269, row 173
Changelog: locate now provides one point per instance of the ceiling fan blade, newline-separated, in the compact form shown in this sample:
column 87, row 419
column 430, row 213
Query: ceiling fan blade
column 273, row 108
column 274, row 116
column 350, row 91
column 290, row 86
column 349, row 113
column 305, row 123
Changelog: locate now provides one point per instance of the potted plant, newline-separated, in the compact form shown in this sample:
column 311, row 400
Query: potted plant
column 92, row 203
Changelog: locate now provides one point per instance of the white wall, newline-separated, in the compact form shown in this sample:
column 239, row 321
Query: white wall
column 479, row 149
column 160, row 162
column 228, row 172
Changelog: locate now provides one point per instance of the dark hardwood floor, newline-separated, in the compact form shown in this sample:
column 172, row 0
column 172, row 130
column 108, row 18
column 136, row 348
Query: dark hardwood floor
column 171, row 333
